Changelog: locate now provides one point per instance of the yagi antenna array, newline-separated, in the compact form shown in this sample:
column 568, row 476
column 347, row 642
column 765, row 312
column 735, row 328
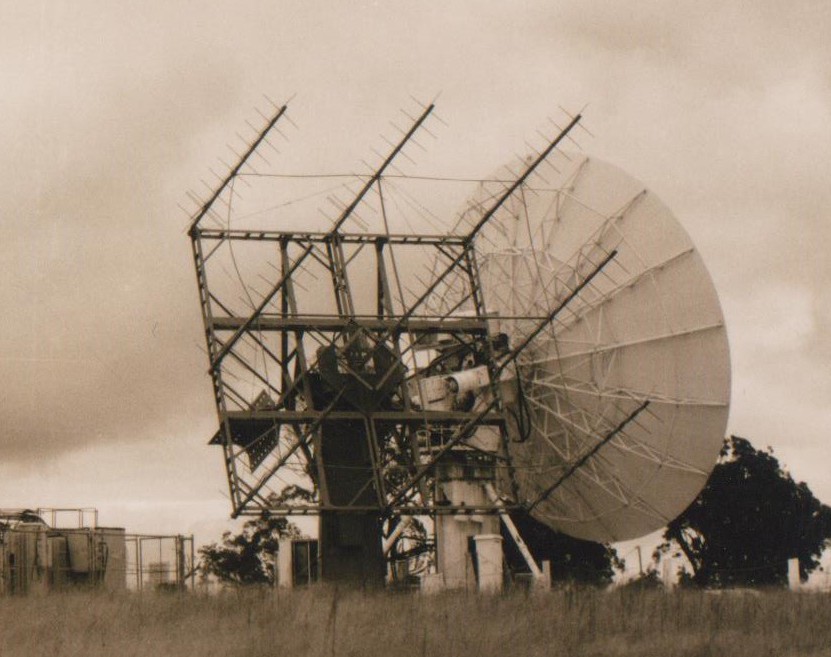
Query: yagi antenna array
column 559, row 341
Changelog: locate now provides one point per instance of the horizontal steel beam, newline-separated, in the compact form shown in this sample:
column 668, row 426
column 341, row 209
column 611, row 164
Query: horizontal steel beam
column 338, row 324
column 441, row 510
column 321, row 237
column 404, row 417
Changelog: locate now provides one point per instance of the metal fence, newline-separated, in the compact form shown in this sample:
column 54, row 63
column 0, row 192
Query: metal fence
column 71, row 551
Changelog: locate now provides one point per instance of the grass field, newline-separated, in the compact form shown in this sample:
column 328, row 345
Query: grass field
column 329, row 622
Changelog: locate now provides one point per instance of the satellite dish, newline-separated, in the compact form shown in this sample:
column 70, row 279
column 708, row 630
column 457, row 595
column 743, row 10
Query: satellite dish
column 623, row 399
column 566, row 356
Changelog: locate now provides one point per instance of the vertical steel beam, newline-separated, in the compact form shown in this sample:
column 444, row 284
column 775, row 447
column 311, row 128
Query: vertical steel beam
column 386, row 308
column 289, row 304
column 212, row 343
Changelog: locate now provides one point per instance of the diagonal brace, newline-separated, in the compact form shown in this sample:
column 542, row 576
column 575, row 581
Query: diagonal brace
column 472, row 424
column 574, row 467
column 233, row 172
column 248, row 323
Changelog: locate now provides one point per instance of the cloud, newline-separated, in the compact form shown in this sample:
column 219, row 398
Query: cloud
column 110, row 112
column 96, row 283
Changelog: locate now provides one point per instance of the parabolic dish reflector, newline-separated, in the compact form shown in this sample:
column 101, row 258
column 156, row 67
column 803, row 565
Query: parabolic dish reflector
column 648, row 327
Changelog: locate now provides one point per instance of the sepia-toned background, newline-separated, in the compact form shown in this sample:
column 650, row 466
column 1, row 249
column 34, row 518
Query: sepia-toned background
column 110, row 111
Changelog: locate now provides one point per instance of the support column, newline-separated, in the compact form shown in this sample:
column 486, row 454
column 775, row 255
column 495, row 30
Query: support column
column 285, row 574
column 489, row 562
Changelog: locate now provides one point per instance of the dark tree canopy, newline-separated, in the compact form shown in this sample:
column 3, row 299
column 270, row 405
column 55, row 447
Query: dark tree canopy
column 748, row 521
column 572, row 560
column 247, row 557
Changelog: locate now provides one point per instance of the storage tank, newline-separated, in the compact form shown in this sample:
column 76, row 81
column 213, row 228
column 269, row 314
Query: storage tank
column 112, row 557
column 80, row 552
column 27, row 559
column 59, row 553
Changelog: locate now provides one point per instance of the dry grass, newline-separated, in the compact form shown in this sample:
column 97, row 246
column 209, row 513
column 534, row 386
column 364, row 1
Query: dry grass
column 335, row 623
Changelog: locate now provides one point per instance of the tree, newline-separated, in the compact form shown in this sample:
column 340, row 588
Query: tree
column 748, row 521
column 247, row 557
column 571, row 559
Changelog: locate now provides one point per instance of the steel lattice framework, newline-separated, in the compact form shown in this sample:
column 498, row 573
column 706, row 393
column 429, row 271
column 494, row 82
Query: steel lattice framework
column 310, row 352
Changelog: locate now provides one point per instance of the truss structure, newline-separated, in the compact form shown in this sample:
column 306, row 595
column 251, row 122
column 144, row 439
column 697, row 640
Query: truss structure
column 318, row 339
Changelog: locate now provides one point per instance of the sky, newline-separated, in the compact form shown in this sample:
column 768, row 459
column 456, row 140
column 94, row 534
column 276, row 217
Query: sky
column 110, row 112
